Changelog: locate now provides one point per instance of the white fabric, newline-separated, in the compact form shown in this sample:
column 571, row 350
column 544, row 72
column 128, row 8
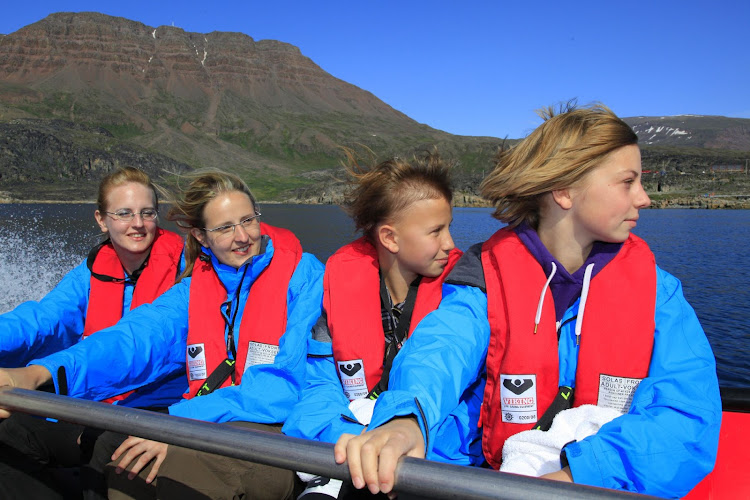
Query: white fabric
column 535, row 452
column 362, row 410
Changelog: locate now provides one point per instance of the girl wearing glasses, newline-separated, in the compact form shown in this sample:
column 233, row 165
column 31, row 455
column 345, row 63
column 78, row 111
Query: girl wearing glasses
column 377, row 289
column 136, row 263
column 237, row 323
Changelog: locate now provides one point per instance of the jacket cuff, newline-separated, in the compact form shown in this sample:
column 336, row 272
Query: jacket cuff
column 583, row 464
column 393, row 404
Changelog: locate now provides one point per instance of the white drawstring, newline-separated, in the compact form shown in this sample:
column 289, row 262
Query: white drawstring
column 538, row 317
column 584, row 296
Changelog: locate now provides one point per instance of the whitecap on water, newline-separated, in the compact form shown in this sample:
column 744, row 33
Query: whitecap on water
column 33, row 262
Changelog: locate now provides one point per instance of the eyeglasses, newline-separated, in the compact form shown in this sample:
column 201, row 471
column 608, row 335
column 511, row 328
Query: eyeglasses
column 128, row 215
column 222, row 232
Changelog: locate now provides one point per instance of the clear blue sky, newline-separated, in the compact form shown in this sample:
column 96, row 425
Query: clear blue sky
column 483, row 67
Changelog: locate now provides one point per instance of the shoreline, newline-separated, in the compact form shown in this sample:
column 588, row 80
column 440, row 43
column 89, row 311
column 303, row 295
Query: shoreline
column 729, row 202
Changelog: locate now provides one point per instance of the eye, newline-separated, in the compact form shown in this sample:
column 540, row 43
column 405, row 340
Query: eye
column 124, row 213
column 224, row 229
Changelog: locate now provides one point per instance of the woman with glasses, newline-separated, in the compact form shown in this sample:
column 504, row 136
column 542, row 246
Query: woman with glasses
column 237, row 323
column 136, row 262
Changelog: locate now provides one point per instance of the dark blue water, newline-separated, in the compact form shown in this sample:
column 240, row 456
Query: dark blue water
column 706, row 249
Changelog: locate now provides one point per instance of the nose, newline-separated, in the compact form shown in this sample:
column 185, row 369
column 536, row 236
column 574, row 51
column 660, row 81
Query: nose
column 641, row 197
column 240, row 234
column 448, row 243
column 137, row 220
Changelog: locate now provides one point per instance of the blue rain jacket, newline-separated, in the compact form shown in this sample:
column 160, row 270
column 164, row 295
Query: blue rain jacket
column 152, row 340
column 37, row 329
column 663, row 446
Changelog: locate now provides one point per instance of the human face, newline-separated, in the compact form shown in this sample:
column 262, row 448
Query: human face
column 423, row 238
column 131, row 239
column 605, row 207
column 233, row 249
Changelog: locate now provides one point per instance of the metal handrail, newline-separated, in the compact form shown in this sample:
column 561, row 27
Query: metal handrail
column 422, row 478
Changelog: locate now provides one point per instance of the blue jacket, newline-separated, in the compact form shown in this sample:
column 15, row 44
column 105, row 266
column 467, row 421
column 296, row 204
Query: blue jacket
column 323, row 411
column 662, row 446
column 151, row 342
column 37, row 329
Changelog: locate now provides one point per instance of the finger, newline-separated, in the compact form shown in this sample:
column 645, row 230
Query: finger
column 4, row 414
column 353, row 459
column 369, row 457
column 140, row 464
column 387, row 462
column 339, row 449
column 155, row 469
column 125, row 446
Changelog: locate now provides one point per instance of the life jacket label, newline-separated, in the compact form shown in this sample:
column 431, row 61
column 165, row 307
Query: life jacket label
column 616, row 392
column 353, row 378
column 518, row 398
column 260, row 354
column 196, row 361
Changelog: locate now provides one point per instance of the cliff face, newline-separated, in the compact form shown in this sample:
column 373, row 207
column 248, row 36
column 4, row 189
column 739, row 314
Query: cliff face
column 81, row 94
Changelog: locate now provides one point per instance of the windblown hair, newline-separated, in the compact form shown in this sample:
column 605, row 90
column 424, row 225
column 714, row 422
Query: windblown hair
column 118, row 178
column 382, row 192
column 188, row 209
column 557, row 155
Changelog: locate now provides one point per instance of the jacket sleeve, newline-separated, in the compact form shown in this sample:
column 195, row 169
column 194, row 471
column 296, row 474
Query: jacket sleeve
column 667, row 441
column 268, row 391
column 442, row 363
column 37, row 329
column 322, row 412
column 145, row 346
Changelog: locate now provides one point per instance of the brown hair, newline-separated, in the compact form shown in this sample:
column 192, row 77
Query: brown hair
column 557, row 155
column 383, row 191
column 119, row 177
column 187, row 210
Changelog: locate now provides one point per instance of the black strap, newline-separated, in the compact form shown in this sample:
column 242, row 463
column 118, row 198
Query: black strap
column 132, row 279
column 217, row 377
column 399, row 335
column 563, row 400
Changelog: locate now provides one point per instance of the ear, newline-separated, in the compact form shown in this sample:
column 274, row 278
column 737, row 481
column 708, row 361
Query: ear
column 200, row 236
column 100, row 220
column 387, row 237
column 563, row 198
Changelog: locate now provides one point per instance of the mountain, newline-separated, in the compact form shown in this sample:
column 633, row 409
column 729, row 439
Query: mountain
column 711, row 132
column 259, row 108
column 84, row 93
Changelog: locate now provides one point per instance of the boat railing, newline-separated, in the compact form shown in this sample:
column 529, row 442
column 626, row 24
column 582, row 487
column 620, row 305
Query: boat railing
column 414, row 477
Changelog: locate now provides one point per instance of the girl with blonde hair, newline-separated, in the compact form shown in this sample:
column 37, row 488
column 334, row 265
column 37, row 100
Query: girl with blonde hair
column 563, row 307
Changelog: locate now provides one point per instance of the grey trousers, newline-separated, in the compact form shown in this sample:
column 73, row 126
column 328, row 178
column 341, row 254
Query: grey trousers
column 191, row 474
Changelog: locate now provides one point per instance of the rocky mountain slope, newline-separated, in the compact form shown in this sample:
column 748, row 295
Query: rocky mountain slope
column 81, row 94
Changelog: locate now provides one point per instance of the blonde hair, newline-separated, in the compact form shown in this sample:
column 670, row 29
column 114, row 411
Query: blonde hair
column 557, row 155
column 119, row 177
column 381, row 192
column 188, row 210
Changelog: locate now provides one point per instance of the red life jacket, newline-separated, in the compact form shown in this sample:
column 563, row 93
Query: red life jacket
column 159, row 274
column 263, row 320
column 352, row 302
column 105, row 297
column 522, row 367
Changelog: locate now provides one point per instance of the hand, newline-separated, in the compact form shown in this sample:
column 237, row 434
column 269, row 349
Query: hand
column 373, row 455
column 29, row 377
column 144, row 450
column 563, row 475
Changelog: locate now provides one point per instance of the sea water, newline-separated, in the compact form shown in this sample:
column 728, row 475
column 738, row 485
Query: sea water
column 706, row 249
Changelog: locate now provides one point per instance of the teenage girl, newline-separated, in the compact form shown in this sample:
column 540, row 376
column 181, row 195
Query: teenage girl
column 237, row 323
column 136, row 262
column 377, row 289
column 563, row 306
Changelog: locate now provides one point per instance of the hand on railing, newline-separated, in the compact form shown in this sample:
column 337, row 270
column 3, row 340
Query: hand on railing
column 373, row 455
column 29, row 377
